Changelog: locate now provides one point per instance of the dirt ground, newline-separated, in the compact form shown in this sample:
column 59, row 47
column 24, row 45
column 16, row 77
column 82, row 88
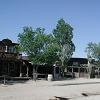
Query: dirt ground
column 44, row 90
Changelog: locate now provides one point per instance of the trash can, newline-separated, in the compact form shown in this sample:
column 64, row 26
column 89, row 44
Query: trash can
column 50, row 77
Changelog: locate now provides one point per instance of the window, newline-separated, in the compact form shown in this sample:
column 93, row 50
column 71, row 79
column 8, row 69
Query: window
column 75, row 63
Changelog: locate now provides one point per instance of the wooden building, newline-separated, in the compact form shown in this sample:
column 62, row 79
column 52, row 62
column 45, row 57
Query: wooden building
column 14, row 65
column 43, row 70
column 11, row 62
column 78, row 66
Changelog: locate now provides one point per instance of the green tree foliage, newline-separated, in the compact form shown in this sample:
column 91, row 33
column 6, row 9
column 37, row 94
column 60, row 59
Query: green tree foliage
column 47, row 48
column 93, row 50
column 37, row 45
column 63, row 35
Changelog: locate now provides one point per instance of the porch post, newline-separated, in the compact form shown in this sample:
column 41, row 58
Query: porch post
column 6, row 49
column 54, row 71
column 72, row 72
column 8, row 69
column 27, row 71
column 72, row 69
column 98, row 72
column 21, row 69
column 79, row 71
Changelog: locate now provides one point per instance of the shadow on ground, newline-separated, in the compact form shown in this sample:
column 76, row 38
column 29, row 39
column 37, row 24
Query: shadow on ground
column 77, row 83
column 12, row 81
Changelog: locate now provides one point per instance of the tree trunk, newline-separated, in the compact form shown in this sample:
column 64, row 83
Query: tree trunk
column 89, row 69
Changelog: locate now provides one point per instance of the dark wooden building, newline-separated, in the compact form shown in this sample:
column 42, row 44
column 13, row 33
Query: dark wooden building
column 14, row 65
column 78, row 66
column 11, row 62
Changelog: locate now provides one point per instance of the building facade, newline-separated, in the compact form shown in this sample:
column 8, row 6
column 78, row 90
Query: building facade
column 10, row 59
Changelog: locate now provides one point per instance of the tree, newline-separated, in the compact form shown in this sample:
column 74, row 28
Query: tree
column 93, row 50
column 63, row 35
column 37, row 45
column 47, row 48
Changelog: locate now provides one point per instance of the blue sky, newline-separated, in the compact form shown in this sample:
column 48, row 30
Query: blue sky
column 82, row 15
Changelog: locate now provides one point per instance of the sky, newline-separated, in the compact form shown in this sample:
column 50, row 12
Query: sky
column 82, row 15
